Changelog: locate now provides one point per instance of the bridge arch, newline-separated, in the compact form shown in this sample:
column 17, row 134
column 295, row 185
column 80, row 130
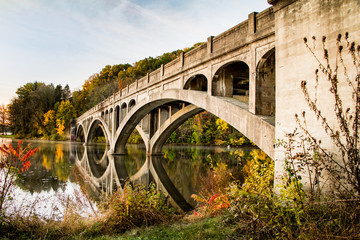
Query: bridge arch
column 123, row 111
column 98, row 160
column 80, row 133
column 197, row 82
column 95, row 126
column 232, row 80
column 110, row 120
column 117, row 117
column 258, row 130
column 132, row 103
column 170, row 125
column 265, row 84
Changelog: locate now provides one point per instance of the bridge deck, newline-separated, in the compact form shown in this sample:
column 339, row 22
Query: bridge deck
column 245, row 106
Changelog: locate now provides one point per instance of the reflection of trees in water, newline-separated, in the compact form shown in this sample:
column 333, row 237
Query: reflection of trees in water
column 185, row 166
column 135, row 158
column 50, row 168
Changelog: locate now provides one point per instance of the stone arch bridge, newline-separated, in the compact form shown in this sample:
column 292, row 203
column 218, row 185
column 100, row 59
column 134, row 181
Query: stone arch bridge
column 232, row 76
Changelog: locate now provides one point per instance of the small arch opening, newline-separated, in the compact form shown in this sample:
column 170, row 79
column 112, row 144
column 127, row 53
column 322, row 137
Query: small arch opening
column 123, row 111
column 197, row 83
column 232, row 80
column 117, row 117
column 265, row 85
column 131, row 104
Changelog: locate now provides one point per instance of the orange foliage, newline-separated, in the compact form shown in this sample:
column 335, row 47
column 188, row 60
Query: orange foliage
column 18, row 158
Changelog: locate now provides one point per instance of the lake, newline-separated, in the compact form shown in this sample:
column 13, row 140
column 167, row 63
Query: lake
column 66, row 172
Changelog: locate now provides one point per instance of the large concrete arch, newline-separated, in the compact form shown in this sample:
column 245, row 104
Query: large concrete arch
column 170, row 125
column 256, row 128
column 104, row 126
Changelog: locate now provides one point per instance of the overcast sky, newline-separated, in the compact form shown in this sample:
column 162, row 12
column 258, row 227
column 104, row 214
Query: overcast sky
column 66, row 41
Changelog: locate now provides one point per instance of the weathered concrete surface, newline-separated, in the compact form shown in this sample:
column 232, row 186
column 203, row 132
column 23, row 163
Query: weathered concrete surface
column 295, row 20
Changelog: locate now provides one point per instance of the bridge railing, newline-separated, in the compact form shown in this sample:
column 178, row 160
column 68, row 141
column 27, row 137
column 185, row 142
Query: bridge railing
column 142, row 82
column 231, row 38
column 154, row 76
column 265, row 21
column 172, row 67
column 196, row 55
column 132, row 87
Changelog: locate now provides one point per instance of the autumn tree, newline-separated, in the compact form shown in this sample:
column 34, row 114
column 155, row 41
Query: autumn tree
column 3, row 119
column 65, row 112
column 33, row 101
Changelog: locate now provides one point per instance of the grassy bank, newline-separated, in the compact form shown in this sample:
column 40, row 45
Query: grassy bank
column 6, row 136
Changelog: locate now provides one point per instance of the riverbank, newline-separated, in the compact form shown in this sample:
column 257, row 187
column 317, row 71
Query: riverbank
column 249, row 217
column 6, row 136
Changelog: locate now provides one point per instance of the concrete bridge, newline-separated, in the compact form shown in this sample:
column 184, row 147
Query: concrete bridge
column 234, row 76
column 231, row 76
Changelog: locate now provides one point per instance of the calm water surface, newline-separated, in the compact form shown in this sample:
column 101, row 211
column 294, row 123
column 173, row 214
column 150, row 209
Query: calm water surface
column 63, row 172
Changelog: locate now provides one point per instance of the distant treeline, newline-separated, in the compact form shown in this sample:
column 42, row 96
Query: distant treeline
column 101, row 85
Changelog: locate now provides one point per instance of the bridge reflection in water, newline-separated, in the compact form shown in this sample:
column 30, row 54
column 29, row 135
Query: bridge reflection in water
column 176, row 173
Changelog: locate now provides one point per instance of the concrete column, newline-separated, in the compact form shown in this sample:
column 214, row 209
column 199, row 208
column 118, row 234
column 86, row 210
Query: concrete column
column 181, row 59
column 153, row 122
column 162, row 70
column 209, row 80
column 113, row 124
column 163, row 114
column 145, row 124
column 252, row 22
column 252, row 80
column 174, row 109
column 210, row 44
column 111, row 118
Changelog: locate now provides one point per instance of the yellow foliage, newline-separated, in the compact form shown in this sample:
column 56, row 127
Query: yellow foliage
column 222, row 125
column 46, row 162
column 60, row 127
column 260, row 173
column 237, row 142
column 59, row 153
column 49, row 117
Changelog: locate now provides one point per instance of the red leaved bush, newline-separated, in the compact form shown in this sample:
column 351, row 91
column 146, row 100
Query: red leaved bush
column 12, row 163
column 18, row 158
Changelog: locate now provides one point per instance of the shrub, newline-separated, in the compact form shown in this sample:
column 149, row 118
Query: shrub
column 12, row 163
column 135, row 206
